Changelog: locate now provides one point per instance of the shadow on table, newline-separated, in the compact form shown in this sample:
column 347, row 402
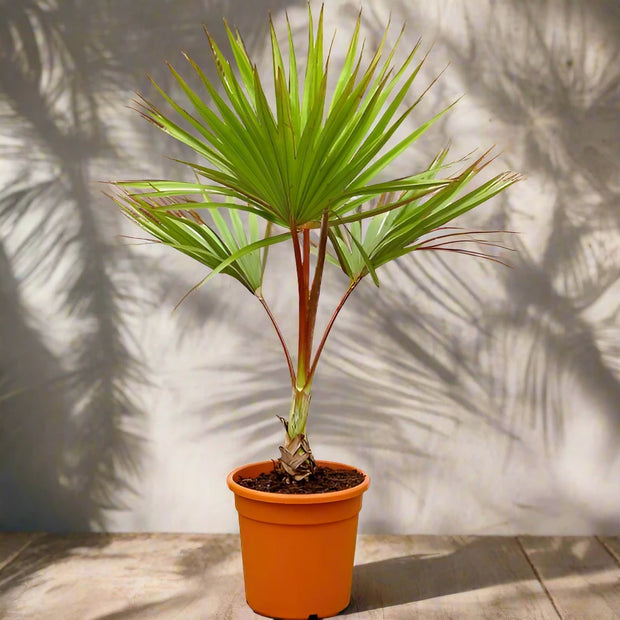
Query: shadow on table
column 173, row 605
column 407, row 579
column 44, row 551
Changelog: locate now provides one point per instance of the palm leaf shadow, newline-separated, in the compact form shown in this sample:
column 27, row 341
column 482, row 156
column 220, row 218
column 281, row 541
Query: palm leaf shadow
column 555, row 89
column 60, row 67
column 559, row 89
column 35, row 66
column 31, row 379
column 44, row 551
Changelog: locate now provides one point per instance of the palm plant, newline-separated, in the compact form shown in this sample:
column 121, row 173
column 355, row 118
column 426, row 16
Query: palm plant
column 305, row 171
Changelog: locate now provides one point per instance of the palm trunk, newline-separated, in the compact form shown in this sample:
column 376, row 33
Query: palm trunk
column 296, row 458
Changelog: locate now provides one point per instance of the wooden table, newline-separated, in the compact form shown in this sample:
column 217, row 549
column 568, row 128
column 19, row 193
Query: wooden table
column 167, row 576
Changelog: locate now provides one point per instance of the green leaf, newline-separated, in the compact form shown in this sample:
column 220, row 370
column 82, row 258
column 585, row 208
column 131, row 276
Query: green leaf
column 349, row 61
column 247, row 250
column 303, row 155
column 243, row 60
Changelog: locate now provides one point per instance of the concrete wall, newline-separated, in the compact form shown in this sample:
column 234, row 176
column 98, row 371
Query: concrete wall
column 479, row 398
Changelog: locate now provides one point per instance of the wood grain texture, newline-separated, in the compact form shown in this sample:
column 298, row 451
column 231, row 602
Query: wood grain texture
column 581, row 576
column 168, row 576
column 445, row 577
column 613, row 546
column 158, row 576
column 12, row 544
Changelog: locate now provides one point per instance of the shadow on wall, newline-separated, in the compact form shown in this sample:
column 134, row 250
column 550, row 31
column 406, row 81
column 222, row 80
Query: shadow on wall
column 555, row 83
column 504, row 348
column 32, row 444
column 531, row 351
column 526, row 352
column 69, row 423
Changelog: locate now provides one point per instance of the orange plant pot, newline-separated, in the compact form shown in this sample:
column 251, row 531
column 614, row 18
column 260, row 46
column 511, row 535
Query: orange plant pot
column 297, row 550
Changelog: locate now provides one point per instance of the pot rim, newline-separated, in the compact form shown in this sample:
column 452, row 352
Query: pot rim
column 297, row 498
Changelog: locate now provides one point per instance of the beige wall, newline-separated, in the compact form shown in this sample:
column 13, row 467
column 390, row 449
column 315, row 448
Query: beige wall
column 480, row 399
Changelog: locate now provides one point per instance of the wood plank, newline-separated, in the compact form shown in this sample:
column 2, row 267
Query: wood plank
column 581, row 576
column 165, row 576
column 11, row 544
column 613, row 546
column 402, row 577
column 158, row 576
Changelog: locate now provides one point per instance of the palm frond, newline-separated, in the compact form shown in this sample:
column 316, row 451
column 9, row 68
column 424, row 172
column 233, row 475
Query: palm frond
column 290, row 163
column 223, row 247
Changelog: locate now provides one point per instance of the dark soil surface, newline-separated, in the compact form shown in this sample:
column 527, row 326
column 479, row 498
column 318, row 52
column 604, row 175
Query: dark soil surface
column 323, row 480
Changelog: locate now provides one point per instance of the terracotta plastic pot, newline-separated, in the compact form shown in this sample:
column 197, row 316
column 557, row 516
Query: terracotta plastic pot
column 297, row 550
